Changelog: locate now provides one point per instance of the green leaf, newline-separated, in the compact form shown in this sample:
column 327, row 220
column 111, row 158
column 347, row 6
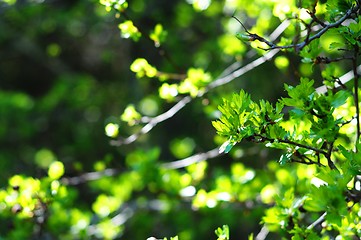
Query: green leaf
column 130, row 115
column 112, row 130
column 119, row 5
column 285, row 158
column 307, row 60
column 56, row 170
column 336, row 45
column 142, row 68
column 307, row 4
column 128, row 30
column 339, row 98
column 344, row 5
column 334, row 218
column 311, row 50
column 158, row 35
column 168, row 91
column 222, row 233
column 244, row 37
column 301, row 91
column 226, row 147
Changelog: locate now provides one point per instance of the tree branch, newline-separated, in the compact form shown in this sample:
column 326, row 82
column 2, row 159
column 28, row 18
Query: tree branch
column 309, row 38
column 192, row 159
column 90, row 176
column 227, row 76
column 318, row 221
column 317, row 150
column 343, row 79
column 262, row 233
column 356, row 96
column 226, row 79
column 153, row 122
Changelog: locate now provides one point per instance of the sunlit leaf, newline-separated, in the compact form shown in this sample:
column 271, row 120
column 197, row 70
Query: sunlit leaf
column 56, row 170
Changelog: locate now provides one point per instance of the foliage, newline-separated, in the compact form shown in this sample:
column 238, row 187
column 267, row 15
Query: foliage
column 223, row 233
column 131, row 119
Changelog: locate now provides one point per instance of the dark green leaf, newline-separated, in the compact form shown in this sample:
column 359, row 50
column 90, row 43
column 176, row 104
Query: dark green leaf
column 339, row 98
column 285, row 158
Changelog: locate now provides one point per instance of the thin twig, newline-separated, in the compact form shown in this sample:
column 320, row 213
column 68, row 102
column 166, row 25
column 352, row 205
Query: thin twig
column 356, row 96
column 318, row 221
column 153, row 122
column 173, row 76
column 328, row 156
column 317, row 150
column 309, row 39
column 241, row 71
column 89, row 176
column 187, row 99
column 192, row 159
column 306, row 163
column 327, row 60
column 262, row 233
column 245, row 29
column 343, row 80
column 315, row 19
column 306, row 160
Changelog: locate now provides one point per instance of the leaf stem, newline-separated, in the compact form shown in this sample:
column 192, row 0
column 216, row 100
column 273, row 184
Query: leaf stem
column 317, row 150
column 294, row 144
column 318, row 221
column 356, row 96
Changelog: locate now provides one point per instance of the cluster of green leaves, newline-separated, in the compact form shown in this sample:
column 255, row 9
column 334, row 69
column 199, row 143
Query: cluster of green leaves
column 119, row 5
column 223, row 233
column 312, row 134
column 244, row 119
column 27, row 198
column 192, row 83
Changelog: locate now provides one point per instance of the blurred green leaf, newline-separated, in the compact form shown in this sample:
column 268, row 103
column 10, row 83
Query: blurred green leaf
column 158, row 35
column 56, row 170
column 128, row 30
column 222, row 233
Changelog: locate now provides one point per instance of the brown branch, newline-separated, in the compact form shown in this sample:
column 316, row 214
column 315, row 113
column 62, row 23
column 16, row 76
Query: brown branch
column 317, row 150
column 245, row 29
column 327, row 60
column 342, row 80
column 309, row 39
column 309, row 161
column 305, row 162
column 315, row 19
column 261, row 138
column 328, row 157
